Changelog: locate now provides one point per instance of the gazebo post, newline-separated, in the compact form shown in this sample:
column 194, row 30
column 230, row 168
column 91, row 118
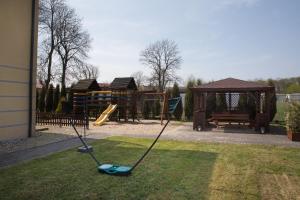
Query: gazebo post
column 202, row 109
column 262, row 118
column 196, row 111
column 126, row 105
column 258, row 113
column 230, row 100
column 267, row 110
column 199, row 117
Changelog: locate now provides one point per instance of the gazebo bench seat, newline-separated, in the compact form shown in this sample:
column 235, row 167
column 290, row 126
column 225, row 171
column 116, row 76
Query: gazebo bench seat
column 230, row 117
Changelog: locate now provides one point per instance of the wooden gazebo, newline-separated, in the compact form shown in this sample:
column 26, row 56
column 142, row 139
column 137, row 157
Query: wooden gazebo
column 233, row 100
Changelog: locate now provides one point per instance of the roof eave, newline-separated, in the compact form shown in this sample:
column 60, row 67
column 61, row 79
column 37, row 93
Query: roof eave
column 248, row 89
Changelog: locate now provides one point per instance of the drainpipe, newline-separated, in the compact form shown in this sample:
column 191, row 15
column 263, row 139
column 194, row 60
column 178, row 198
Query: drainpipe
column 31, row 62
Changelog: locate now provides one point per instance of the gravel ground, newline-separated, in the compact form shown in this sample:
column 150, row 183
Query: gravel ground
column 150, row 129
column 142, row 127
column 183, row 131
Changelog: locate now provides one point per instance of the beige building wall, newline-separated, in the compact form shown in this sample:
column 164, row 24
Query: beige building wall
column 15, row 53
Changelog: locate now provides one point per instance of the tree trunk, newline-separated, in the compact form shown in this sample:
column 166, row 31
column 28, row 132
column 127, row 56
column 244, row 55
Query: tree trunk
column 47, row 82
column 159, row 82
column 63, row 80
column 163, row 81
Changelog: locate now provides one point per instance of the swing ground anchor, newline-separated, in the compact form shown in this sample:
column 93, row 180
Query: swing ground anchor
column 83, row 149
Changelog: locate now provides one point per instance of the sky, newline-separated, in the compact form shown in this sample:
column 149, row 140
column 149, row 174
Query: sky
column 245, row 39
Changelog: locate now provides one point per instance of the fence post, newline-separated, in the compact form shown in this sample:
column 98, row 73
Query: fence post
column 87, row 121
column 60, row 120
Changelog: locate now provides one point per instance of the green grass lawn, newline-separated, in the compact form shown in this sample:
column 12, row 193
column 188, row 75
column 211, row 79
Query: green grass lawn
column 173, row 170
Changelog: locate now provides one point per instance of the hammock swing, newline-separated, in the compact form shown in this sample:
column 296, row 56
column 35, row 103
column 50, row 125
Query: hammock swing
column 122, row 170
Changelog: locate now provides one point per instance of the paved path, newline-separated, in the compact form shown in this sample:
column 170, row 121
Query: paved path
column 182, row 132
column 36, row 152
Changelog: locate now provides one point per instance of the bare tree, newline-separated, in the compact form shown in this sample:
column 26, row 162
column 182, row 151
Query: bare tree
column 74, row 42
column 41, row 69
column 139, row 78
column 84, row 71
column 163, row 58
column 48, row 24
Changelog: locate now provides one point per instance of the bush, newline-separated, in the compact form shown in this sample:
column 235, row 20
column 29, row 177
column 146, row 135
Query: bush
column 152, row 109
column 251, row 107
column 59, row 108
column 49, row 99
column 282, row 108
column 70, row 100
column 146, row 110
column 56, row 97
column 189, row 100
column 63, row 92
column 293, row 117
column 273, row 106
column 210, row 104
column 243, row 102
column 221, row 105
column 156, row 108
column 293, row 88
column 37, row 100
column 41, row 104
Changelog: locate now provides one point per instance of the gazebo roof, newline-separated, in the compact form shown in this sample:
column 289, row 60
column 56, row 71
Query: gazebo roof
column 232, row 85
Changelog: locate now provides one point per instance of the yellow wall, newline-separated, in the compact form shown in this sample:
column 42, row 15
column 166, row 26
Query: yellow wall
column 15, row 40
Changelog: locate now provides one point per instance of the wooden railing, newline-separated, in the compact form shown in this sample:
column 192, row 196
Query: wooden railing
column 61, row 119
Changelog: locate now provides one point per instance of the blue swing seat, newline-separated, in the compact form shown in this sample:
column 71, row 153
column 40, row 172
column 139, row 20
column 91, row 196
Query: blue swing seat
column 173, row 104
column 114, row 169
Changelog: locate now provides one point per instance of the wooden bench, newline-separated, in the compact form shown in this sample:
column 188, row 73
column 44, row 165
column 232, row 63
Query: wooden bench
column 230, row 117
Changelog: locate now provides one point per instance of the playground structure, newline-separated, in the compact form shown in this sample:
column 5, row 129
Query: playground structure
column 123, row 93
column 93, row 102
column 117, row 106
column 96, row 102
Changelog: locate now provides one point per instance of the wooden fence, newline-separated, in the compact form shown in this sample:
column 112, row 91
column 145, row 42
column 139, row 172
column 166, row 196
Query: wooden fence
column 61, row 119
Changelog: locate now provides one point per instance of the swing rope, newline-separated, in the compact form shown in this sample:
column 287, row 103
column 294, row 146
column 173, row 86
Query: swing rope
column 172, row 108
column 149, row 149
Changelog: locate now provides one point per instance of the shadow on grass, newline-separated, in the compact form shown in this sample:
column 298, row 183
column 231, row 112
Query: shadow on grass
column 164, row 174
